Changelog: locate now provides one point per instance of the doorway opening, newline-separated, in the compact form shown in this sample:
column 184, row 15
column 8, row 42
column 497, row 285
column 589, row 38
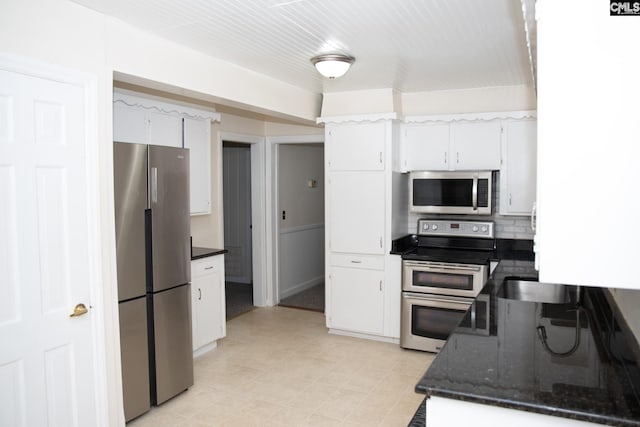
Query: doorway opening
column 299, row 187
column 236, row 167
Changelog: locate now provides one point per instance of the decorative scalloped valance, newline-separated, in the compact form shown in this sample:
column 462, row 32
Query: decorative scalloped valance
column 448, row 118
column 362, row 118
column 164, row 107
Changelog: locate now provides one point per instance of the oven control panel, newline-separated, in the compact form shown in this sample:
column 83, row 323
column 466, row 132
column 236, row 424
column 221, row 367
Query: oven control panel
column 441, row 227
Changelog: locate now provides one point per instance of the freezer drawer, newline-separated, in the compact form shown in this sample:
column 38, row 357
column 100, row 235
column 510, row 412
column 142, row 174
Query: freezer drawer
column 173, row 342
column 134, row 356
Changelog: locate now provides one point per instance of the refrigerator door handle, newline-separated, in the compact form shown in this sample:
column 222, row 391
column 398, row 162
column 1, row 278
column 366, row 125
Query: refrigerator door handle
column 154, row 185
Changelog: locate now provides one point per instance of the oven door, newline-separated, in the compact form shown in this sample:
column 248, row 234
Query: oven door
column 428, row 320
column 461, row 280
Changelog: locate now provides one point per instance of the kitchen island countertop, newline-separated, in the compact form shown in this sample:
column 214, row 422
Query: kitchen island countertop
column 507, row 365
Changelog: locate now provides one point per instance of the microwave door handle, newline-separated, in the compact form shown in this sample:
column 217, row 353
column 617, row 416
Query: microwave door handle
column 474, row 193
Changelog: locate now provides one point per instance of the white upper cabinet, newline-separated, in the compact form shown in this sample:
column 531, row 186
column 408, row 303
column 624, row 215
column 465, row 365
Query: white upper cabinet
column 426, row 147
column 441, row 145
column 475, row 146
column 588, row 132
column 149, row 121
column 141, row 126
column 197, row 138
column 518, row 171
column 129, row 124
column 164, row 129
column 356, row 146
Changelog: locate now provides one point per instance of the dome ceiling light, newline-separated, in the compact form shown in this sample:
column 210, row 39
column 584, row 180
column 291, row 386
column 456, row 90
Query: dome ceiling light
column 332, row 65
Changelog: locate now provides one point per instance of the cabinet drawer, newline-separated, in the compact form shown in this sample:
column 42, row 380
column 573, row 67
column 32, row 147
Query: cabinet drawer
column 206, row 266
column 358, row 261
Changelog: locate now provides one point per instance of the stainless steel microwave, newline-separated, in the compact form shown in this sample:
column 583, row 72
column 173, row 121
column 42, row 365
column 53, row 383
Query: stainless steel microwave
column 468, row 192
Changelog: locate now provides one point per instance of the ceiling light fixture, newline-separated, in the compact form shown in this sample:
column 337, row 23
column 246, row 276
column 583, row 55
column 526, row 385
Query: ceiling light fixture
column 332, row 65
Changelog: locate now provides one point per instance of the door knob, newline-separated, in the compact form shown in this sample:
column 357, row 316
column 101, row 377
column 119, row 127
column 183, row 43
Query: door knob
column 79, row 310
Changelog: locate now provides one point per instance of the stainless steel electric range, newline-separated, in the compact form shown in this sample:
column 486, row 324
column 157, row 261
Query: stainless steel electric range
column 444, row 268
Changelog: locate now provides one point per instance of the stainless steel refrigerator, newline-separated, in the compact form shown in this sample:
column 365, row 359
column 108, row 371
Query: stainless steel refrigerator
column 151, row 186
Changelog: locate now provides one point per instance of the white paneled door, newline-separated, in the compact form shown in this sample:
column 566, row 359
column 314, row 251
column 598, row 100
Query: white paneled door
column 47, row 358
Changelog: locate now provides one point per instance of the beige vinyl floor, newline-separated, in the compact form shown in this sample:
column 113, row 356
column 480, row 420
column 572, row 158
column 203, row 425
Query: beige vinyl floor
column 279, row 366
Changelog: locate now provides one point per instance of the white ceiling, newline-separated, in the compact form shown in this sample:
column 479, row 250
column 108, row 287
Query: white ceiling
column 409, row 45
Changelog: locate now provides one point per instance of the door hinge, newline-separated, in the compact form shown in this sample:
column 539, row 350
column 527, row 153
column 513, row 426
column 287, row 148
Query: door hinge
column 380, row 285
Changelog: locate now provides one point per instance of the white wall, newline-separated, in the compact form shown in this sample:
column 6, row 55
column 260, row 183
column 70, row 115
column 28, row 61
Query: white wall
column 474, row 100
column 371, row 101
column 301, row 234
column 477, row 100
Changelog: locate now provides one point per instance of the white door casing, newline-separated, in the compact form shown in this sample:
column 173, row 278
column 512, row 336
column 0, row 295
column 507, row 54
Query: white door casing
column 51, row 365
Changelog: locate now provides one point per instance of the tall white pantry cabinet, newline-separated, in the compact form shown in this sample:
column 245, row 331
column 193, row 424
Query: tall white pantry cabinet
column 363, row 279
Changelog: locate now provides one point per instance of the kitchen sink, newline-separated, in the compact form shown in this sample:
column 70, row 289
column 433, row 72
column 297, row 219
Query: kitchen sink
column 523, row 289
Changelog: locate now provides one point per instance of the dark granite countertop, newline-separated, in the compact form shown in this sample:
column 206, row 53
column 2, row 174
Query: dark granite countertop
column 512, row 249
column 199, row 252
column 506, row 364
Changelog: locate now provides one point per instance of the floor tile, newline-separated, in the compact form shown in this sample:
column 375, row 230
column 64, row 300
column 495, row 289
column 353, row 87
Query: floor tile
column 280, row 367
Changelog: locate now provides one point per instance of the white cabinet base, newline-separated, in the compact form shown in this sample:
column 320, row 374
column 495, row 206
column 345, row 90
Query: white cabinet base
column 205, row 349
column 207, row 303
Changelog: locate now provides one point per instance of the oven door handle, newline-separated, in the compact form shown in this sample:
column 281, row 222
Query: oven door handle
column 442, row 267
column 434, row 298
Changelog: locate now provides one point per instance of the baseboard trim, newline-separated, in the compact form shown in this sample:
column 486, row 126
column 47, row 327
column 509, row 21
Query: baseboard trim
column 364, row 336
column 205, row 349
column 301, row 287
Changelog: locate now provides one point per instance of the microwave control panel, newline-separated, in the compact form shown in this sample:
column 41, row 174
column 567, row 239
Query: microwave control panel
column 439, row 227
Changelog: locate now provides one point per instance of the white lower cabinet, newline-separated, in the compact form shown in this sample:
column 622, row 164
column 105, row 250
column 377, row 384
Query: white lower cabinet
column 207, row 303
column 357, row 300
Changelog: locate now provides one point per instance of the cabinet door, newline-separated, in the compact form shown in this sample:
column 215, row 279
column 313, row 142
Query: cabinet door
column 518, row 172
column 587, row 149
column 426, row 147
column 475, row 146
column 208, row 300
column 164, row 129
column 356, row 146
column 356, row 212
column 129, row 124
column 196, row 286
column 357, row 300
column 198, row 140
